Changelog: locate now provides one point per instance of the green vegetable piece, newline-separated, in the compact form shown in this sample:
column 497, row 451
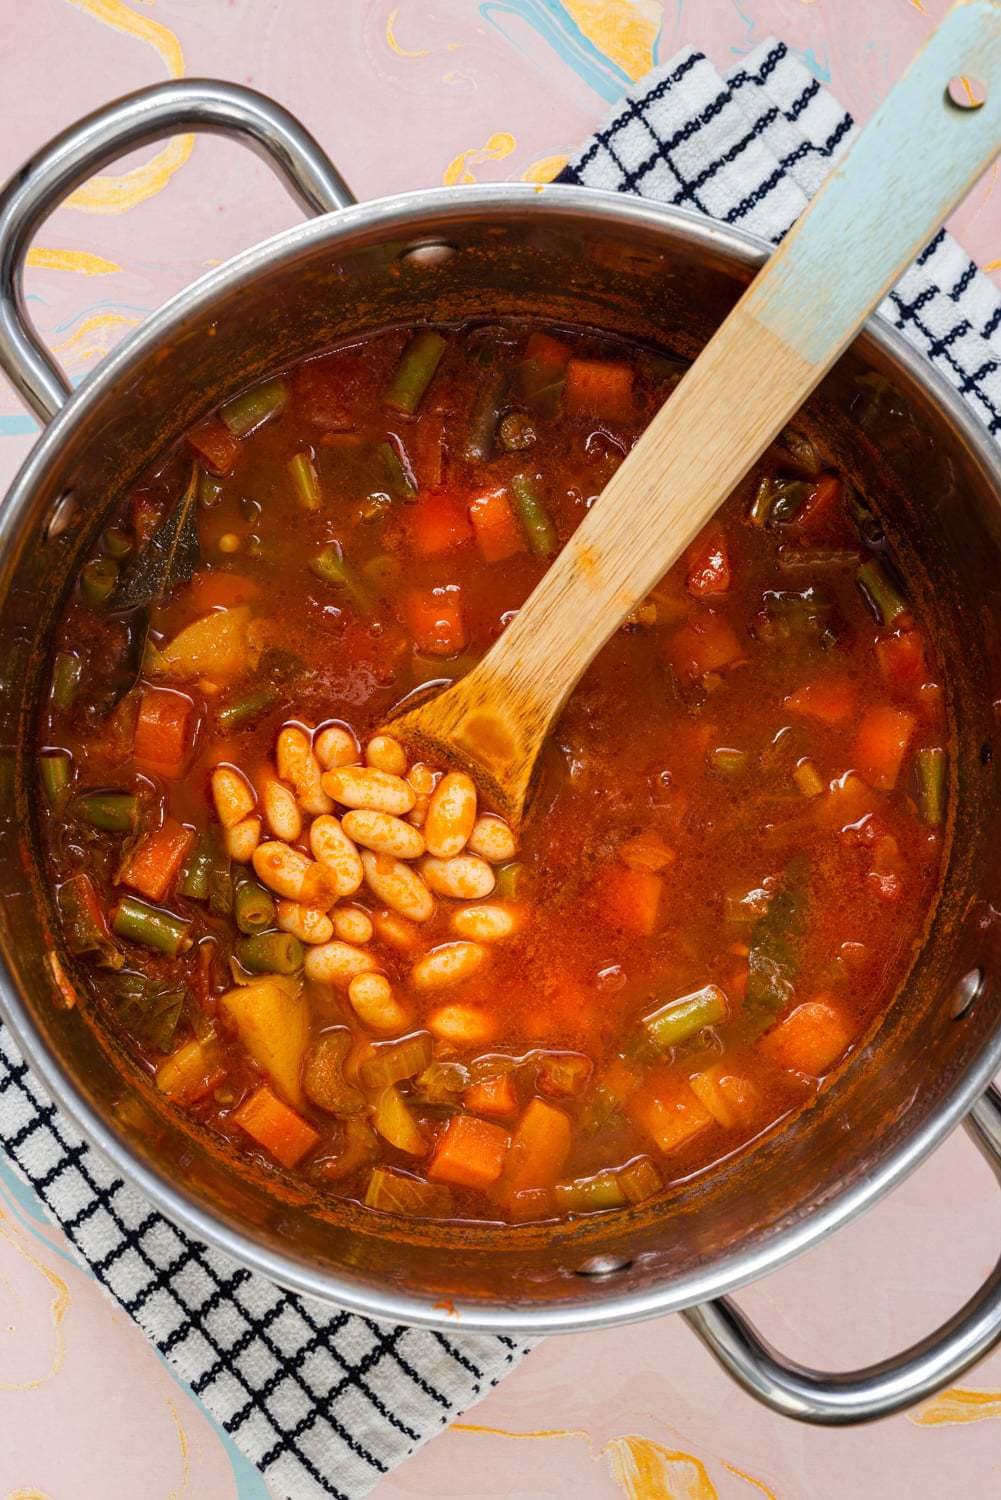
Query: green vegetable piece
column 394, row 1061
column 116, row 542
column 67, row 670
column 541, row 382
column 194, row 878
column 800, row 450
column 509, row 881
column 323, row 1078
column 675, row 1022
column 269, row 952
column 84, row 925
column 151, row 1012
column 209, row 490
column 167, row 560
column 484, row 416
column 138, row 922
column 885, row 598
column 776, row 939
column 97, row 580
column 931, row 773
column 245, row 710
column 761, row 505
column 114, row 812
column 393, row 477
column 360, row 1147
column 539, row 529
column 54, row 770
column 415, row 371
column 777, row 500
column 443, row 1082
column 517, row 432
column 411, row 1197
column 588, row 1195
column 250, row 409
column 253, row 907
column 305, row 481
column 727, row 760
column 331, row 567
column 220, row 885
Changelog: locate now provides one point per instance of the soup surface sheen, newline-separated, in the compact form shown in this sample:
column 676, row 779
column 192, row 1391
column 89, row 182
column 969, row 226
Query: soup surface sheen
column 326, row 953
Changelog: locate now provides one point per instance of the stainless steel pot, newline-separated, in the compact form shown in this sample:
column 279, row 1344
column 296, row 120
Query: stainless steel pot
column 638, row 269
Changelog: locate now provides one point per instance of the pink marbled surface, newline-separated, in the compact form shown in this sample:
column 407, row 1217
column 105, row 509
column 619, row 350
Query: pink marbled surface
column 398, row 93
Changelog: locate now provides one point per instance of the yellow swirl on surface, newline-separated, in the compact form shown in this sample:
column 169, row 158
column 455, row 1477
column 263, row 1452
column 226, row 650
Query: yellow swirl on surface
column 393, row 44
column 495, row 148
column 625, row 30
column 58, row 1308
column 645, row 1470
column 545, row 169
column 116, row 193
column 81, row 261
column 95, row 336
column 957, row 1405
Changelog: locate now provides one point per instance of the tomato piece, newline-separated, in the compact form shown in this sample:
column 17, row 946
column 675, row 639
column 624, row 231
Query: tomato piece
column 630, row 899
column 821, row 517
column 599, row 388
column 498, row 531
column 902, row 661
column 438, row 523
column 434, row 619
column 215, row 445
column 830, row 700
column 881, row 745
column 706, row 644
column 163, row 731
column 709, row 564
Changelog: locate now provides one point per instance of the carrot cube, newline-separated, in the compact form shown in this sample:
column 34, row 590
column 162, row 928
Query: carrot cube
column 901, row 658
column 163, row 731
column 631, row 898
column 539, row 1147
column 498, row 532
column 709, row 564
column 669, row 1114
column 493, row 1096
column 599, row 387
column 810, row 1039
column 821, row 517
column 151, row 867
column 705, row 644
column 434, row 619
column 545, row 350
column 831, row 700
column 438, row 523
column 881, row 745
column 284, row 1134
column 470, row 1153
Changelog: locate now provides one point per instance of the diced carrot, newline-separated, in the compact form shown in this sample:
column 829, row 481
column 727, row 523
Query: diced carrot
column 729, row 1098
column 706, row 644
column 438, row 523
column 498, row 533
column 539, row 1147
column 163, row 731
column 846, row 802
column 810, row 1039
column 709, row 564
column 646, row 851
column 821, row 516
column 492, row 1096
column 151, row 866
column 669, row 1113
column 434, row 619
column 631, row 898
column 902, row 661
column 215, row 445
column 599, row 387
column 882, row 743
column 217, row 588
column 829, row 700
column 470, row 1152
column 545, row 350
column 284, row 1134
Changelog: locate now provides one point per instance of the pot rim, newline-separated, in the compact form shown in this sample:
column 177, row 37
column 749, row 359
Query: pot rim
column 394, row 214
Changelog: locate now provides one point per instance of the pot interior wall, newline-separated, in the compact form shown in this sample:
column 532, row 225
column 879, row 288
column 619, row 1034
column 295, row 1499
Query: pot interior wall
column 655, row 284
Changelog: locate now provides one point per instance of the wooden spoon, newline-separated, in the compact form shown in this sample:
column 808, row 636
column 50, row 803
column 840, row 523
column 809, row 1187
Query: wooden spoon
column 908, row 168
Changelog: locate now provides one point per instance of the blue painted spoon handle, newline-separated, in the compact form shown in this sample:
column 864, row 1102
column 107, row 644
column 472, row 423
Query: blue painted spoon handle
column 908, row 168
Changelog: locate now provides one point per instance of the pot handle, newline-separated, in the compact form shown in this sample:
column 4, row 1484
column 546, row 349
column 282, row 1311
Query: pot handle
column 202, row 104
column 838, row 1399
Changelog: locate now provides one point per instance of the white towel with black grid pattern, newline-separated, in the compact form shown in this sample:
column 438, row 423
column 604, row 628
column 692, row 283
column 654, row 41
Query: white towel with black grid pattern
column 325, row 1402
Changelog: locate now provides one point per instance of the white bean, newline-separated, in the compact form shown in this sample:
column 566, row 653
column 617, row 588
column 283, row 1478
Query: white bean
column 463, row 1025
column 400, row 887
column 298, row 764
column 395, row 930
column 360, row 786
column 352, row 925
column 242, row 839
column 232, row 795
column 421, row 778
column 292, row 874
column 492, row 839
column 451, row 815
column 338, row 963
column 281, row 810
column 488, row 923
column 308, row 923
column 375, row 1005
column 466, row 877
column 383, row 833
column 335, row 746
column 448, row 964
column 383, row 753
column 335, row 851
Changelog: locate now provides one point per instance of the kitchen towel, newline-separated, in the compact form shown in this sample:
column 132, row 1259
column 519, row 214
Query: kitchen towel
column 325, row 1402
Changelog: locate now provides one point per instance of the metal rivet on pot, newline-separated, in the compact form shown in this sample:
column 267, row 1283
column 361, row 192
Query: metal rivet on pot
column 62, row 514
column 965, row 92
column 431, row 253
column 965, row 993
column 603, row 1265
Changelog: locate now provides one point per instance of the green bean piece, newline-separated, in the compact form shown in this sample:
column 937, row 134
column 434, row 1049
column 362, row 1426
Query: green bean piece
column 138, row 922
column 776, row 942
column 253, row 908
column 393, row 479
column 588, row 1195
column 270, row 952
column 761, row 505
column 116, row 542
column 640, row 1179
column 114, row 812
column 539, row 529
column 221, row 894
column 675, row 1022
column 881, row 592
column 727, row 760
column 194, row 878
column 209, row 490
column 67, row 670
column 84, row 924
column 54, row 771
column 149, row 1010
column 415, row 371
column 541, row 383
column 931, row 768
column 305, row 481
column 248, row 410
column 391, row 1062
column 97, row 580
column 331, row 567
column 510, row 879
column 245, row 710
column 483, row 418
column 516, row 432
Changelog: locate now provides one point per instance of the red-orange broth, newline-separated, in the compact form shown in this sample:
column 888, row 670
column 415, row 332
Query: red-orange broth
column 735, row 838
